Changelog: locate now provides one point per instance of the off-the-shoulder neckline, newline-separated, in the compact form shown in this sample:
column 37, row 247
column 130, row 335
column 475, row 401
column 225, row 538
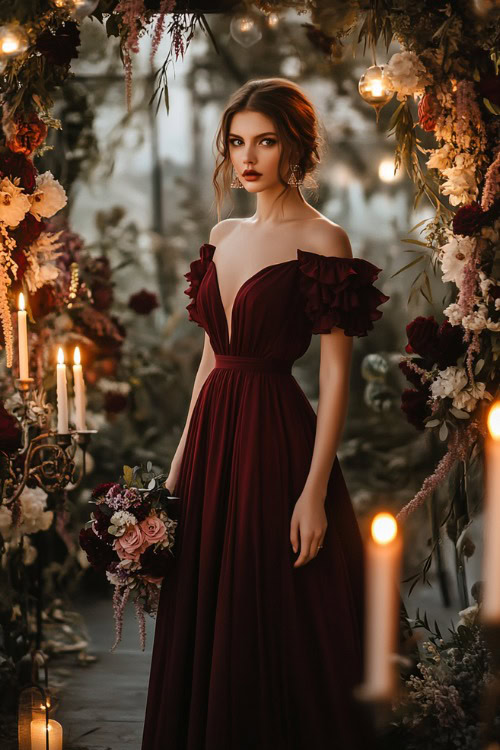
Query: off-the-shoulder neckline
column 299, row 251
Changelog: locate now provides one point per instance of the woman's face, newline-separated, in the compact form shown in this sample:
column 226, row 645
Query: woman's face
column 254, row 145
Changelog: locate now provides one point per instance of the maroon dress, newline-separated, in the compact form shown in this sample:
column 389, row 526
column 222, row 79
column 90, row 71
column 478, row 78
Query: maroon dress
column 249, row 652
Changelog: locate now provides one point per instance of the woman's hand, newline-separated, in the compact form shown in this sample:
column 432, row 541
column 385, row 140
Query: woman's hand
column 170, row 481
column 308, row 521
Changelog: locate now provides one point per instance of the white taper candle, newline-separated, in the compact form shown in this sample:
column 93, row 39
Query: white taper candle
column 383, row 567
column 22, row 336
column 79, row 385
column 62, row 394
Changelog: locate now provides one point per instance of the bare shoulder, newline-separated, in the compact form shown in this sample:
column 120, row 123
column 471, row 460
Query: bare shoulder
column 221, row 230
column 327, row 238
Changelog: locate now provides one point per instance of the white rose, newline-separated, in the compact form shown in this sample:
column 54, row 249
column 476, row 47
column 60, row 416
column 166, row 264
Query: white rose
column 14, row 204
column 49, row 196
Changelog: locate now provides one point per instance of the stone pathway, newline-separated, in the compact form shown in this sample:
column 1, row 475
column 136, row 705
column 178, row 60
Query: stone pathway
column 103, row 706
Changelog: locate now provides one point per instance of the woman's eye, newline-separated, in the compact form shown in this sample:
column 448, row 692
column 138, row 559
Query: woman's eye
column 232, row 141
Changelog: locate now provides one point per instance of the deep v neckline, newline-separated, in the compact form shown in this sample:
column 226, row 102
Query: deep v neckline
column 230, row 321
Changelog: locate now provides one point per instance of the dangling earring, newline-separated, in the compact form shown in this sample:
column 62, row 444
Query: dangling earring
column 294, row 179
column 235, row 182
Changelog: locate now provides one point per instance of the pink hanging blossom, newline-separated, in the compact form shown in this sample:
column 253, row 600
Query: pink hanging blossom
column 166, row 6
column 460, row 441
column 491, row 188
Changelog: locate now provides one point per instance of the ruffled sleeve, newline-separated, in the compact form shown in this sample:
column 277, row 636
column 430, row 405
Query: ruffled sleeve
column 198, row 269
column 339, row 292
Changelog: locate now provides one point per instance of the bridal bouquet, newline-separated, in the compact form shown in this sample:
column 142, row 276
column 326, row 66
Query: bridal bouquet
column 130, row 536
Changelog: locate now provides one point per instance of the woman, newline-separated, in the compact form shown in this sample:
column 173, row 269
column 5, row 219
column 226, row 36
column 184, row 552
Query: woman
column 259, row 633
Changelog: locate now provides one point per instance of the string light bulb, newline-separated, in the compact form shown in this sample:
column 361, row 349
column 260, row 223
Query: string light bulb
column 245, row 29
column 14, row 41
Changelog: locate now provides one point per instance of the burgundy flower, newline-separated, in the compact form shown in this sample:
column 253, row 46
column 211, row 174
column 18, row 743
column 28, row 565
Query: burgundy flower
column 19, row 256
column 451, row 344
column 115, row 402
column 489, row 88
column 414, row 405
column 102, row 295
column 157, row 563
column 60, row 48
column 428, row 110
column 43, row 301
column 102, row 489
column 143, row 302
column 10, row 432
column 99, row 554
column 422, row 337
column 469, row 219
column 17, row 165
column 102, row 522
column 27, row 231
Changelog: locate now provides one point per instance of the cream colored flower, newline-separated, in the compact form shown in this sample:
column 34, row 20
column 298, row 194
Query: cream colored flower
column 14, row 203
column 41, row 254
column 441, row 158
column 476, row 320
column 454, row 314
column 49, row 196
column 460, row 185
column 453, row 256
column 449, row 382
column 468, row 397
column 407, row 74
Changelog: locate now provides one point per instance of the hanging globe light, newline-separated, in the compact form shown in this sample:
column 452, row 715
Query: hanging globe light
column 80, row 9
column 77, row 9
column 245, row 29
column 375, row 87
column 14, row 41
column 272, row 20
column 484, row 8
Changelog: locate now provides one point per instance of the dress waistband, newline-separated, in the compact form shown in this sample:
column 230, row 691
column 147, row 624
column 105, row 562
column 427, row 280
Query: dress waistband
column 257, row 364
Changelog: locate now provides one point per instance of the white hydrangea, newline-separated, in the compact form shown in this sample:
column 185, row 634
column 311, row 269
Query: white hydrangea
column 449, row 382
column 454, row 314
column 49, row 196
column 34, row 516
column 14, row 203
column 119, row 522
column 407, row 74
column 460, row 184
column 41, row 254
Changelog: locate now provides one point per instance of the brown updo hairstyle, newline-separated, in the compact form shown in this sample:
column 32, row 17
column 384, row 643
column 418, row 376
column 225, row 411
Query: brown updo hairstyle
column 296, row 123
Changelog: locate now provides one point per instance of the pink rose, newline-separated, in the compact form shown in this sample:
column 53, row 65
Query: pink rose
column 131, row 544
column 153, row 529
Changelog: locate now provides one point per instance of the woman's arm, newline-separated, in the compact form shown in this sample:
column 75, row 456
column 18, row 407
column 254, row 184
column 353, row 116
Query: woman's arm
column 309, row 517
column 205, row 367
column 334, row 376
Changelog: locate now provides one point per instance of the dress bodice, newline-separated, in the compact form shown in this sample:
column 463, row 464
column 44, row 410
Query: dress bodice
column 276, row 310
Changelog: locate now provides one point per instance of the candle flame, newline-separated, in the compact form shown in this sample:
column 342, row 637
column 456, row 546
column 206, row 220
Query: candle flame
column 494, row 420
column 376, row 88
column 21, row 301
column 384, row 528
column 76, row 355
column 60, row 356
